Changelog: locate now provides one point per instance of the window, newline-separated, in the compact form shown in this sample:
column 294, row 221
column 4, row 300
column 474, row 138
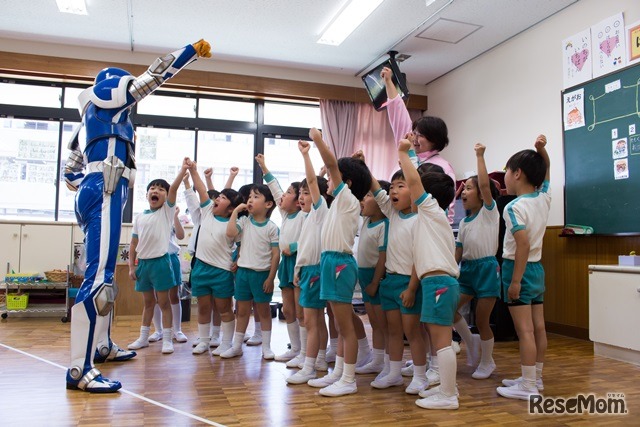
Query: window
column 174, row 106
column 227, row 110
column 71, row 95
column 66, row 198
column 37, row 96
column 302, row 116
column 221, row 151
column 28, row 163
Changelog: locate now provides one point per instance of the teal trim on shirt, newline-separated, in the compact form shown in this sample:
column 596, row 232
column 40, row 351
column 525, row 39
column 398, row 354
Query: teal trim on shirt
column 422, row 198
column 458, row 244
column 221, row 218
column 134, row 235
column 292, row 215
column 258, row 224
column 206, row 203
column 375, row 193
column 471, row 217
column 338, row 189
column 316, row 206
column 274, row 244
column 490, row 207
column 407, row 215
column 269, row 177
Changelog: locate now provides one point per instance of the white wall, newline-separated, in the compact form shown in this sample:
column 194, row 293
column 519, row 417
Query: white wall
column 509, row 95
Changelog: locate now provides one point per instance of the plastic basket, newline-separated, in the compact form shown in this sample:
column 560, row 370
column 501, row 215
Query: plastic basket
column 56, row 275
column 17, row 301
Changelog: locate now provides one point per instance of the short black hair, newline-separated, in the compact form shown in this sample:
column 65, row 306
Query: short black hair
column 234, row 197
column 385, row 185
column 434, row 129
column 268, row 197
column 531, row 163
column 358, row 173
column 244, row 192
column 323, row 186
column 495, row 193
column 397, row 175
column 213, row 194
column 440, row 186
column 429, row 167
column 296, row 188
column 159, row 183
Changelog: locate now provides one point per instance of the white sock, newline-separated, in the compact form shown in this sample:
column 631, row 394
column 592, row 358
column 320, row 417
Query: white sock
column 433, row 364
column 157, row 318
column 303, row 341
column 378, row 356
column 420, row 372
column 203, row 332
column 539, row 366
column 322, row 354
column 176, row 310
column 363, row 344
column 144, row 333
column 394, row 368
column 529, row 376
column 228, row 329
column 333, row 344
column 487, row 352
column 294, row 335
column 448, row 368
column 167, row 335
column 338, row 367
column 309, row 365
column 257, row 332
column 348, row 373
column 215, row 331
column 266, row 340
column 463, row 330
column 238, row 339
column 387, row 366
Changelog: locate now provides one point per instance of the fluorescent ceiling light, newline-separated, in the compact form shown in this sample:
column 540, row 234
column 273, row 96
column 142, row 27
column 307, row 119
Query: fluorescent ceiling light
column 429, row 2
column 348, row 20
column 77, row 7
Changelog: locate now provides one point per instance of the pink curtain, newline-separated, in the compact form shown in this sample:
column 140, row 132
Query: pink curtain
column 339, row 124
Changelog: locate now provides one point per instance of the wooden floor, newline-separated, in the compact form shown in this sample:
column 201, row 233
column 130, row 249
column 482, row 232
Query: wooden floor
column 185, row 390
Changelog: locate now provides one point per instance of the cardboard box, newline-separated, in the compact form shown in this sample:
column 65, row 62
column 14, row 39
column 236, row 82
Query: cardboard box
column 629, row 260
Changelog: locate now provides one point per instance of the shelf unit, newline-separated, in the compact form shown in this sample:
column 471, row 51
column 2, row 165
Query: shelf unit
column 37, row 289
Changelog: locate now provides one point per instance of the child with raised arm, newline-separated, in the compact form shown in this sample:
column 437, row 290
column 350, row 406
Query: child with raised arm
column 430, row 133
column 211, row 279
column 522, row 273
column 349, row 182
column 436, row 267
column 476, row 248
column 292, row 220
column 150, row 245
column 257, row 266
column 315, row 202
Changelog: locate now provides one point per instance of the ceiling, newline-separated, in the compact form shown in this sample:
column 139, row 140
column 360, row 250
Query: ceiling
column 283, row 33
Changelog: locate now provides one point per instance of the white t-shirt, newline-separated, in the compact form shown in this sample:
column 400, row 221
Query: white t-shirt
column 433, row 243
column 478, row 234
column 214, row 247
column 372, row 241
column 340, row 228
column 401, row 228
column 153, row 230
column 193, row 205
column 291, row 225
column 528, row 212
column 309, row 241
column 257, row 239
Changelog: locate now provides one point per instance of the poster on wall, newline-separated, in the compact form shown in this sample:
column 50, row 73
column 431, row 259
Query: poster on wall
column 573, row 109
column 633, row 42
column 608, row 45
column 576, row 62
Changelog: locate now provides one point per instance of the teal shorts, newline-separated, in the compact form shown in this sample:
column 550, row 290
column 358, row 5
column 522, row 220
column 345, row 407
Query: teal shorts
column 531, row 286
column 480, row 278
column 390, row 289
column 177, row 270
column 310, row 287
column 209, row 280
column 338, row 276
column 440, row 299
column 286, row 269
column 249, row 285
column 364, row 276
column 154, row 274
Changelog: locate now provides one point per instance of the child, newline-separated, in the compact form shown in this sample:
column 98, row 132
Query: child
column 431, row 134
column 349, row 182
column 476, row 247
column 292, row 220
column 372, row 256
column 522, row 274
column 150, row 244
column 177, row 233
column 436, row 267
column 314, row 201
column 211, row 277
column 257, row 266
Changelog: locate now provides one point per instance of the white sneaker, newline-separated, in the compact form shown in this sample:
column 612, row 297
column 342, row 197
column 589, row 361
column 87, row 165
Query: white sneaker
column 167, row 347
column 138, row 344
column 387, row 381
column 416, row 386
column 301, row 377
column 484, row 371
column 246, row 337
column 509, row 383
column 330, row 356
column 455, row 345
column 381, row 375
column 364, row 357
column 438, row 401
column 232, row 352
column 339, row 388
column 321, row 365
column 221, row 349
column 255, row 340
column 517, row 391
column 433, row 376
column 473, row 351
column 434, row 390
column 200, row 348
column 268, row 354
column 407, row 371
column 370, row 368
column 286, row 356
column 325, row 381
column 296, row 361
column 214, row 341
column 180, row 337
column 156, row 336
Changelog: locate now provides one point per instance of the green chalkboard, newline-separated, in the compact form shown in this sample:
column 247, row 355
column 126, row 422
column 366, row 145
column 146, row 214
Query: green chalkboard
column 602, row 153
